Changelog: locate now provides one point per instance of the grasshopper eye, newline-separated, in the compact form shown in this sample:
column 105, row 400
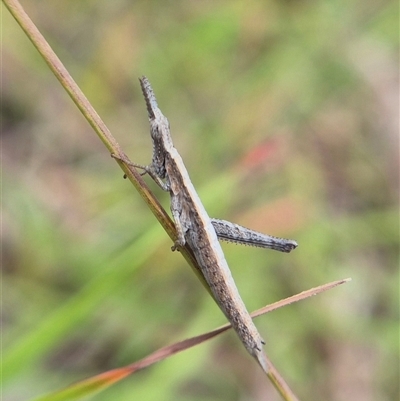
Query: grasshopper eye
column 155, row 132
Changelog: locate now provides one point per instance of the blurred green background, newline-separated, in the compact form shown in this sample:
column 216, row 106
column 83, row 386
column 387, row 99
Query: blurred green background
column 286, row 115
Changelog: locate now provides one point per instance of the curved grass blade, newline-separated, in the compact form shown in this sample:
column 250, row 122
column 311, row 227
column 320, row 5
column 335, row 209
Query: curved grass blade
column 104, row 380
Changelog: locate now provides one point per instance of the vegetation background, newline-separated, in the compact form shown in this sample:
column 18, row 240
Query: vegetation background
column 286, row 114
